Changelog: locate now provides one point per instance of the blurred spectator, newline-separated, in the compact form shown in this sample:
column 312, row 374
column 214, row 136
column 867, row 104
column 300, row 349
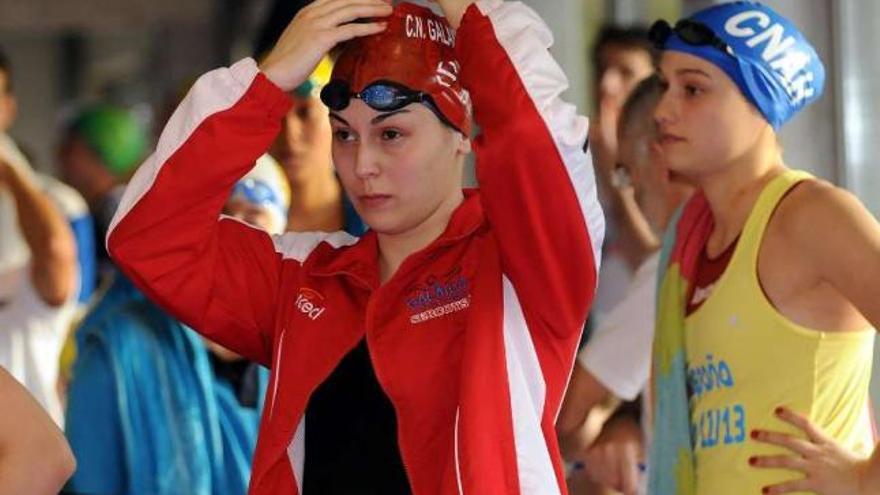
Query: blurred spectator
column 71, row 204
column 616, row 361
column 622, row 56
column 100, row 149
column 33, row 348
column 303, row 150
column 38, row 284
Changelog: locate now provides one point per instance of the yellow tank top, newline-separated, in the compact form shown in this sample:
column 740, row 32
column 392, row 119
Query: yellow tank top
column 745, row 359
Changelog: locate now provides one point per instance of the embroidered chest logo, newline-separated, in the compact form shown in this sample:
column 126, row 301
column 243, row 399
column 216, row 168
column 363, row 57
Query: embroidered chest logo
column 310, row 303
column 438, row 296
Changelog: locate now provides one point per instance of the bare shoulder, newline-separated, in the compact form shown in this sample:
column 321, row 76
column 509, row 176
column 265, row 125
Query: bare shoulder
column 821, row 221
column 816, row 209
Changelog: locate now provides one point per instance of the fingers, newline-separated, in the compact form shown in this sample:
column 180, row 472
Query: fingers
column 321, row 7
column 801, row 485
column 349, row 31
column 338, row 12
column 337, row 21
column 796, row 445
column 802, row 423
column 316, row 30
column 352, row 12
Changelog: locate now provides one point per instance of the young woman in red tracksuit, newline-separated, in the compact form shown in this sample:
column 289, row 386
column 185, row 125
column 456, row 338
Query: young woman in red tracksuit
column 471, row 303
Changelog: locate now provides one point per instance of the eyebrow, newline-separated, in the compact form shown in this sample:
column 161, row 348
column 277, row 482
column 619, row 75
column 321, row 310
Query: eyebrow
column 379, row 118
column 376, row 120
column 698, row 72
column 334, row 115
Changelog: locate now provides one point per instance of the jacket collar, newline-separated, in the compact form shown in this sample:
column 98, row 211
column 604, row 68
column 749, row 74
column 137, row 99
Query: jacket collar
column 360, row 261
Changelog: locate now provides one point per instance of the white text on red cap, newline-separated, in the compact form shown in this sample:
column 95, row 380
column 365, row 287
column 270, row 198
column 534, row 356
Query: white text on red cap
column 422, row 28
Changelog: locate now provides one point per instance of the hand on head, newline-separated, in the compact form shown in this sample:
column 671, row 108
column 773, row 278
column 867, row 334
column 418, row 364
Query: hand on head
column 315, row 30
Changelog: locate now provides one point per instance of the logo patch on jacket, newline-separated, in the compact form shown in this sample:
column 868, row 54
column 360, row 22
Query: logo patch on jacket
column 310, row 303
column 439, row 296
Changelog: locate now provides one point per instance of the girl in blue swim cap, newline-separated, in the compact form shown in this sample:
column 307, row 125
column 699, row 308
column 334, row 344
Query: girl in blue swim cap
column 769, row 273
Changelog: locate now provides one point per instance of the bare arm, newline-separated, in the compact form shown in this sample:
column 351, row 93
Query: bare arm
column 841, row 241
column 47, row 235
column 635, row 239
column 34, row 456
column 166, row 236
column 584, row 393
column 849, row 259
column 585, row 410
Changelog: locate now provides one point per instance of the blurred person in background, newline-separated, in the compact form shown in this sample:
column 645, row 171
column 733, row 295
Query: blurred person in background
column 33, row 318
column 38, row 284
column 616, row 361
column 154, row 408
column 622, row 57
column 319, row 203
column 100, row 148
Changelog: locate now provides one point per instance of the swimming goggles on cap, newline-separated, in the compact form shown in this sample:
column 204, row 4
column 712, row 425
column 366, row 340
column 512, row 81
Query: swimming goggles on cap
column 382, row 96
column 691, row 32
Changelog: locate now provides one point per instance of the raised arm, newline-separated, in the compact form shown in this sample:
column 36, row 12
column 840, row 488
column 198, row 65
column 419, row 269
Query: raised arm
column 222, row 277
column 53, row 251
column 218, row 276
column 536, row 178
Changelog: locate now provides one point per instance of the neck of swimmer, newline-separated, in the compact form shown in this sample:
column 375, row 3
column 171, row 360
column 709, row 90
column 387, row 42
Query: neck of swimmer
column 734, row 189
column 396, row 247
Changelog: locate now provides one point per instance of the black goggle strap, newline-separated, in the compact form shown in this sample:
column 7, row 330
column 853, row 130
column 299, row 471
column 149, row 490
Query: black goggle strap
column 700, row 34
column 659, row 32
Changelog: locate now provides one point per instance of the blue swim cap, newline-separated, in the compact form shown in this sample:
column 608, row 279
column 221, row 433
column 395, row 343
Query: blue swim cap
column 266, row 186
column 773, row 64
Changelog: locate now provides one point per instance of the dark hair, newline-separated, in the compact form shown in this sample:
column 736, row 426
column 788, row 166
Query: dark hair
column 279, row 16
column 6, row 68
column 632, row 37
column 642, row 98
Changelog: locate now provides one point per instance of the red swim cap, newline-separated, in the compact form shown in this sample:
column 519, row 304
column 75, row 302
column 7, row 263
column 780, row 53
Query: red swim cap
column 416, row 51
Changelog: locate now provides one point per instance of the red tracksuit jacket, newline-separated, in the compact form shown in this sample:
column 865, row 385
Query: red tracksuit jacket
column 473, row 339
